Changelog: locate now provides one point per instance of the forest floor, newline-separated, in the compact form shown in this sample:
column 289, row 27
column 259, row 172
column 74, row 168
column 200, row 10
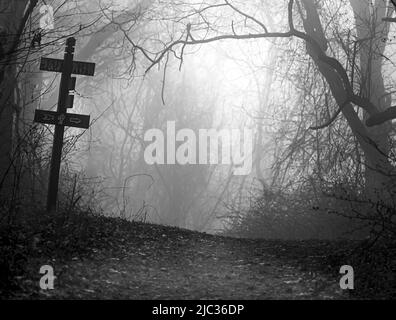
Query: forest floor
column 115, row 259
column 96, row 257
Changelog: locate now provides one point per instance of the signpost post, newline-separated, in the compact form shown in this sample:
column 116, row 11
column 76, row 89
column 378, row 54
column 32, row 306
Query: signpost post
column 61, row 118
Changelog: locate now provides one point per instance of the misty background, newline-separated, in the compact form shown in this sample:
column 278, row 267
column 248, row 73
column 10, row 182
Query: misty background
column 305, row 182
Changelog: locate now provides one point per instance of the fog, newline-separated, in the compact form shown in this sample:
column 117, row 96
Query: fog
column 147, row 77
column 217, row 86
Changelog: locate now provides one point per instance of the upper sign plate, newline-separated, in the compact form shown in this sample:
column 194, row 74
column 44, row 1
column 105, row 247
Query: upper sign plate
column 56, row 65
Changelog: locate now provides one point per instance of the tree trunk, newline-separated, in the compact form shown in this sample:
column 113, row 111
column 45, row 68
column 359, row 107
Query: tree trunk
column 11, row 18
column 371, row 31
column 373, row 141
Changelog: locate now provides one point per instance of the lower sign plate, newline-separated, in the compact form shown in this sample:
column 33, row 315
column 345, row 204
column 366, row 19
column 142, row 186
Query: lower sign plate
column 62, row 119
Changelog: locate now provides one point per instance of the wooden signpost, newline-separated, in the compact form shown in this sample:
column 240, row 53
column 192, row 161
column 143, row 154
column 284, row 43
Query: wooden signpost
column 60, row 118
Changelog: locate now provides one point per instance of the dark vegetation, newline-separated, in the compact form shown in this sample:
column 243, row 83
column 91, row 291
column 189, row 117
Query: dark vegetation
column 101, row 257
column 341, row 212
column 363, row 233
column 286, row 245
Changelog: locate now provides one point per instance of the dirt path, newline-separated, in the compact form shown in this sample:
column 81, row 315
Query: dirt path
column 174, row 264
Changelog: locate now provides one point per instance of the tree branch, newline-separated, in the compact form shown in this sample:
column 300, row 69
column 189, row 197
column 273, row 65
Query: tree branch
column 381, row 117
column 247, row 16
column 332, row 119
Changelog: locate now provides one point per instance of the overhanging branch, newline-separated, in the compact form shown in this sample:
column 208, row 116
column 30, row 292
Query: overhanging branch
column 381, row 117
column 317, row 52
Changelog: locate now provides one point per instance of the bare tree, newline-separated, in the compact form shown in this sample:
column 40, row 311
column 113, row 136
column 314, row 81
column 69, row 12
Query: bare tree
column 203, row 25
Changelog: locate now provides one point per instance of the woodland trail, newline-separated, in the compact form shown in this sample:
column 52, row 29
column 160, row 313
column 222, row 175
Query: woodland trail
column 156, row 262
